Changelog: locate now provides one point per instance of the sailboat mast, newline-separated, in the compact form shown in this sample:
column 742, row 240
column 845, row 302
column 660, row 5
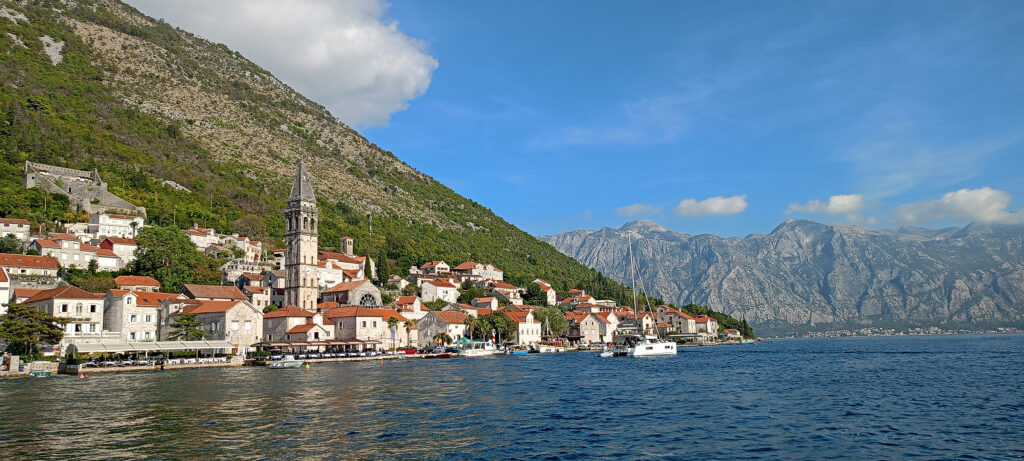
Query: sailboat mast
column 632, row 271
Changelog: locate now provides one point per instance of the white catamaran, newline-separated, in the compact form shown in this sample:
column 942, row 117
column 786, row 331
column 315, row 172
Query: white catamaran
column 640, row 344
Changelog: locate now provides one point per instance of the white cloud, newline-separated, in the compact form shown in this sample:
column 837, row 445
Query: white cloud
column 692, row 208
column 836, row 205
column 343, row 55
column 981, row 205
column 636, row 209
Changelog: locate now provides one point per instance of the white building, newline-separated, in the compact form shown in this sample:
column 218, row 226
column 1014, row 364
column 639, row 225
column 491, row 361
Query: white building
column 18, row 265
column 103, row 225
column 474, row 272
column 83, row 310
column 5, row 291
column 71, row 252
column 550, row 296
column 123, row 247
column 19, row 228
column 432, row 290
column 135, row 315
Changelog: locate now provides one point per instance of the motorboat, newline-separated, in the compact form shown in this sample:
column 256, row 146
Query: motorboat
column 478, row 349
column 517, row 350
column 438, row 353
column 287, row 361
column 549, row 347
column 607, row 351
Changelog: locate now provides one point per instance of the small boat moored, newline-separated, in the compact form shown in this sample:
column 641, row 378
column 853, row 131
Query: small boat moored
column 287, row 361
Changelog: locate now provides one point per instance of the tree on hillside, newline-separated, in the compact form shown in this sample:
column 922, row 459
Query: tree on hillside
column 436, row 304
column 10, row 244
column 470, row 294
column 186, row 327
column 271, row 308
column 166, row 254
column 535, row 296
column 409, row 325
column 24, row 328
column 251, row 226
column 556, row 324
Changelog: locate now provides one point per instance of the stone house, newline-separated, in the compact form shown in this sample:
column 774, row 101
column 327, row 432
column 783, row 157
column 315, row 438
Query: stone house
column 370, row 326
column 361, row 292
column 432, row 290
column 124, row 248
column 295, row 325
column 585, row 325
column 706, row 325
column 202, row 237
column 258, row 296
column 19, row 228
column 71, row 252
column 82, row 309
column 28, row 265
column 434, row 267
column 679, row 321
column 237, row 322
column 489, row 302
column 452, row 323
column 135, row 315
column 550, row 297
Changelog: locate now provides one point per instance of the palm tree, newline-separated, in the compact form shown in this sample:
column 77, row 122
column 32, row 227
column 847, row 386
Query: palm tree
column 393, row 323
column 408, row 329
column 442, row 338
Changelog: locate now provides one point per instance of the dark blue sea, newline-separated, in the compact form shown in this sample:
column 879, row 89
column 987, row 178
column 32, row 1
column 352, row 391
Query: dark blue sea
column 933, row 397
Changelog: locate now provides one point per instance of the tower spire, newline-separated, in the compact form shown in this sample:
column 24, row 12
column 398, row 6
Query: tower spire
column 302, row 188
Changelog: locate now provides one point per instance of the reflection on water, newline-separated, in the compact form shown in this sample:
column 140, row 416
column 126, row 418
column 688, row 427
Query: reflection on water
column 852, row 398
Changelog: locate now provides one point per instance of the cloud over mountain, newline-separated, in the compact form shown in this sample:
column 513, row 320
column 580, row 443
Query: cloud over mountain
column 692, row 208
column 345, row 55
column 983, row 205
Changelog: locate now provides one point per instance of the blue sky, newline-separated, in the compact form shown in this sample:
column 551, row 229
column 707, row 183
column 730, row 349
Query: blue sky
column 584, row 114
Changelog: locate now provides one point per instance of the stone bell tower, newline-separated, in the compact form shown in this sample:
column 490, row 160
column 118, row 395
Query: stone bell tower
column 300, row 240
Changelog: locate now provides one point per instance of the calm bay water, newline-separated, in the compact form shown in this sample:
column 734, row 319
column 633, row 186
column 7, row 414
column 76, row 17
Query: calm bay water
column 876, row 398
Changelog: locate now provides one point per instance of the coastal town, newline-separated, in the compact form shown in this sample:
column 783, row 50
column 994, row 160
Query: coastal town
column 302, row 299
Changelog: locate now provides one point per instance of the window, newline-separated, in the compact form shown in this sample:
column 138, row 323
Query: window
column 131, row 336
column 234, row 325
column 364, row 323
column 146, row 335
column 133, row 318
column 63, row 307
column 149, row 318
column 76, row 257
column 128, row 300
column 78, row 309
column 248, row 325
column 92, row 308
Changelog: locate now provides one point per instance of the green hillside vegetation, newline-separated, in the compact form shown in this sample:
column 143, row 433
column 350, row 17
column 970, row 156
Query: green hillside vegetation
column 77, row 114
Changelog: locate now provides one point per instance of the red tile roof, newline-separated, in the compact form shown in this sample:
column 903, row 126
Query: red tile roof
column 289, row 311
column 149, row 298
column 304, row 328
column 121, row 241
column 3, row 275
column 63, row 236
column 229, row 292
column 39, row 262
column 67, row 292
column 484, row 299
column 359, row 311
column 504, row 285
column 135, row 280
column 603, row 316
column 430, row 264
column 451, row 317
column 703, row 319
column 465, row 266
column 208, row 307
column 677, row 312
column 13, row 221
column 346, row 286
column 105, row 252
column 404, row 300
column 43, row 243
column 25, row 292
column 340, row 257
column 440, row 283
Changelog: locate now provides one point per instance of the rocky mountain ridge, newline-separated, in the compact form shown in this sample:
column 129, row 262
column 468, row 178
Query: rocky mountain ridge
column 810, row 276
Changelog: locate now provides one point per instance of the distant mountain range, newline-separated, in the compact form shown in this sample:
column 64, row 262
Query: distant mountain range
column 809, row 276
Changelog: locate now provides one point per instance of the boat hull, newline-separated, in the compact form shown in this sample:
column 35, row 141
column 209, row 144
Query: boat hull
column 654, row 349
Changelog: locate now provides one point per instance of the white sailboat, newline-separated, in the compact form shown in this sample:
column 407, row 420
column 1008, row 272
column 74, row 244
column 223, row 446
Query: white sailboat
column 640, row 344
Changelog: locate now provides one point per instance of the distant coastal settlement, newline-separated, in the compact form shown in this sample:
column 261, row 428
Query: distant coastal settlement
column 115, row 293
column 904, row 332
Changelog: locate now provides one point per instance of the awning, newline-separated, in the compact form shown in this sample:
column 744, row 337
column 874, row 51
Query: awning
column 153, row 346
